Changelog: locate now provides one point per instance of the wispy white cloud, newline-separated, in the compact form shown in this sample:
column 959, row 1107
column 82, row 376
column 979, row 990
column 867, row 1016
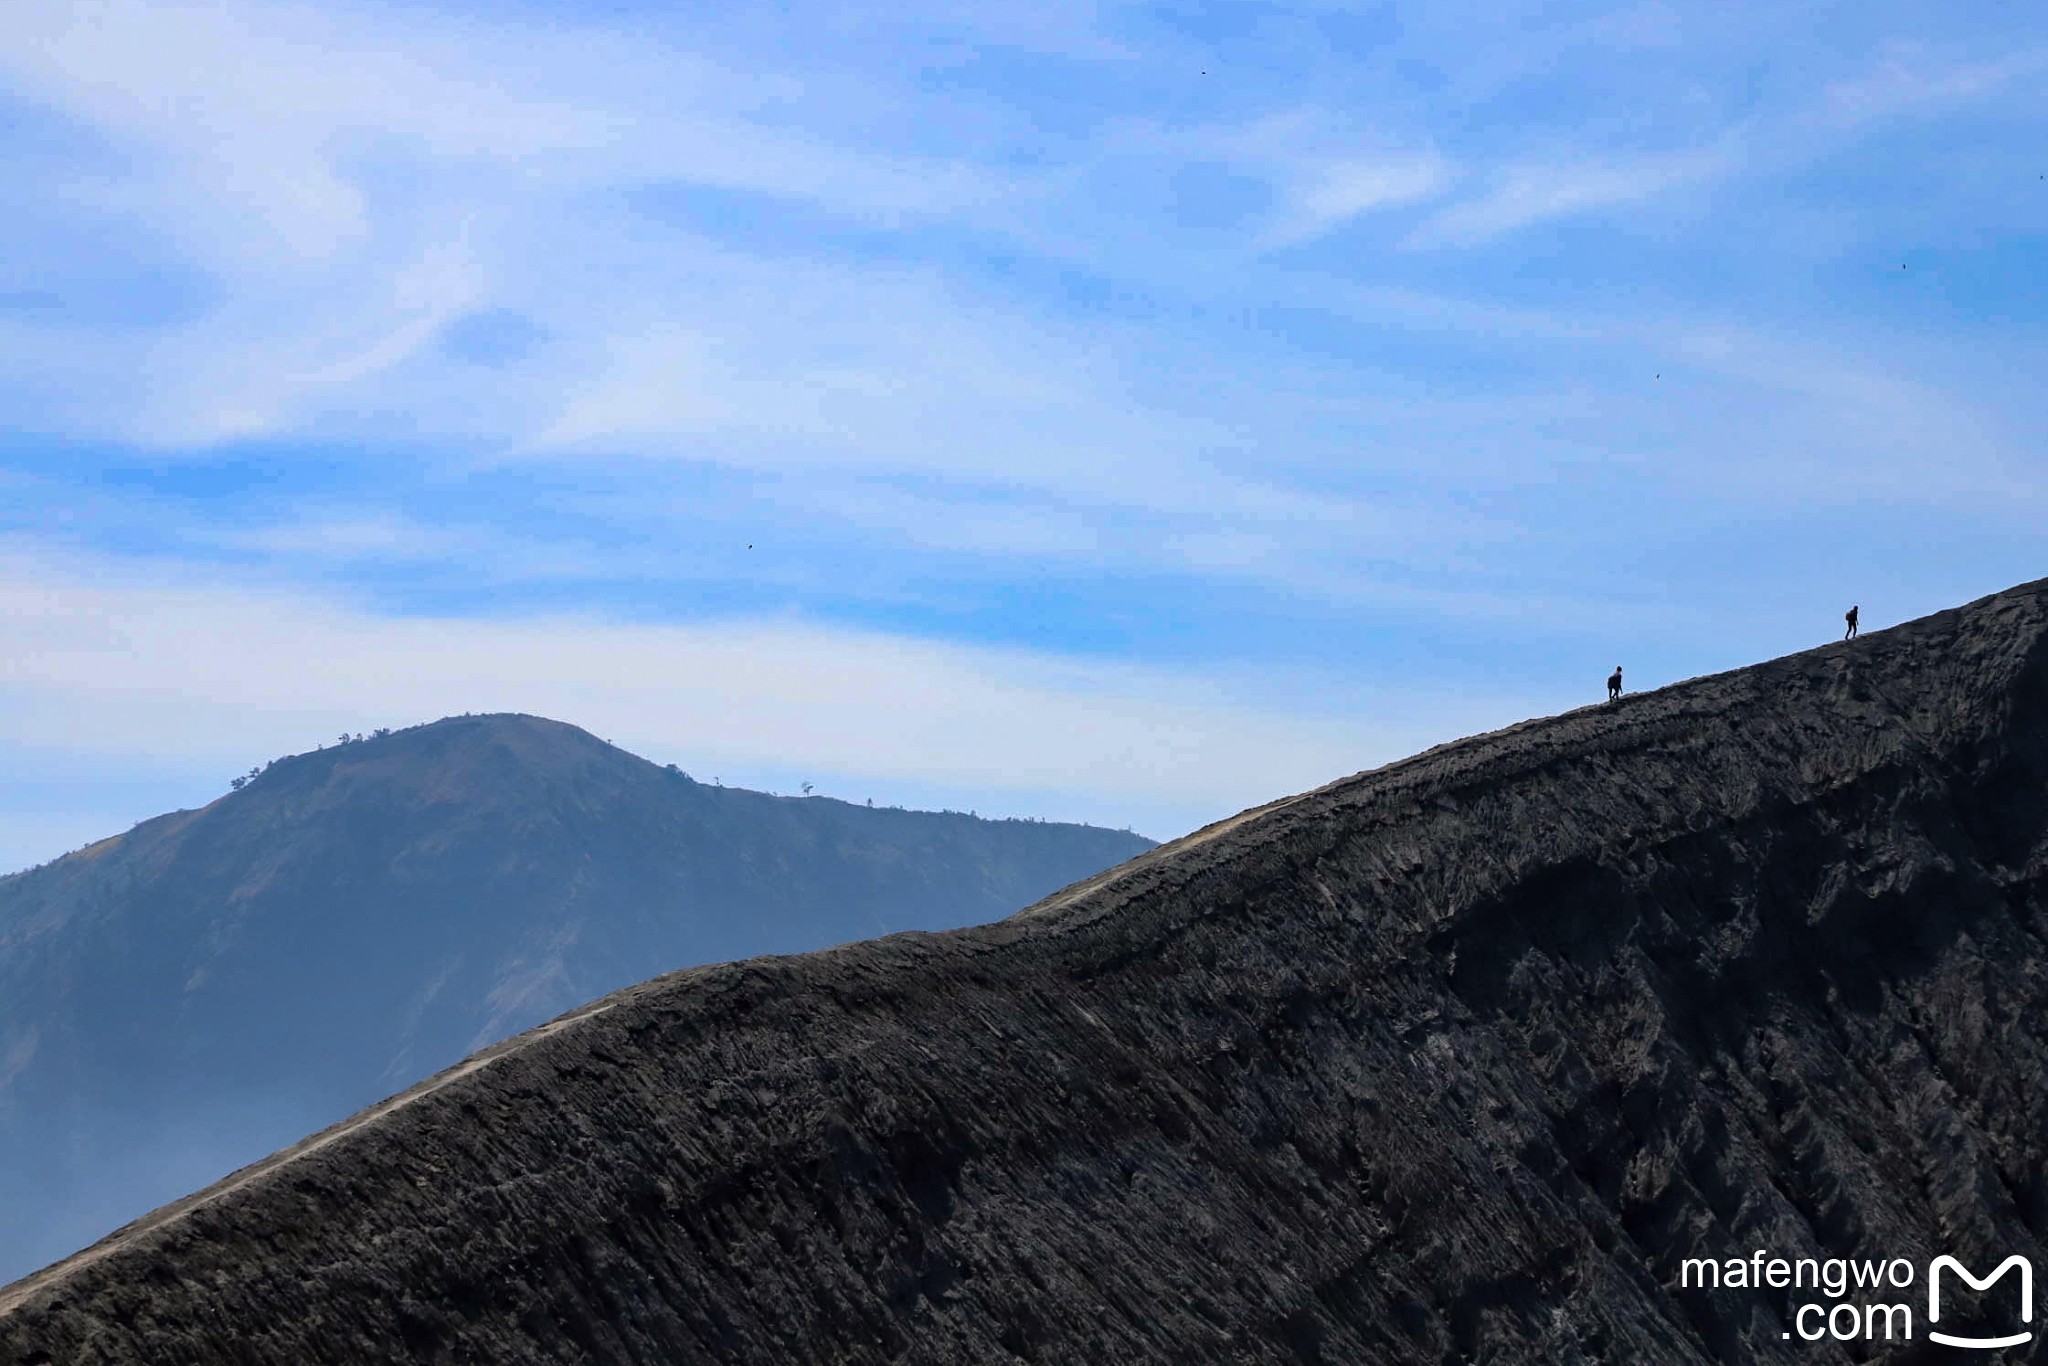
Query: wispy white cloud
column 366, row 534
column 259, row 108
column 286, row 109
column 352, row 179
column 103, row 660
column 874, row 372
column 1524, row 195
column 1330, row 194
column 1323, row 173
column 1912, row 81
column 420, row 169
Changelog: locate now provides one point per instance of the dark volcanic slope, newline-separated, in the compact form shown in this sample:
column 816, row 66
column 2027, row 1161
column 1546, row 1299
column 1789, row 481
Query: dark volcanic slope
column 1453, row 1060
column 180, row 1000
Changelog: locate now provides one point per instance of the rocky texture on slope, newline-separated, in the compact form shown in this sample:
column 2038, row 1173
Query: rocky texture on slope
column 182, row 999
column 1454, row 1060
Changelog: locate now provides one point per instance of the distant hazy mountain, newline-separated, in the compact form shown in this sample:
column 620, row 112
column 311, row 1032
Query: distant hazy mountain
column 186, row 997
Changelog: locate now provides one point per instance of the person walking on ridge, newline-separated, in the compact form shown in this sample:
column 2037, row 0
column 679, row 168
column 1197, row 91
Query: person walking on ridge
column 1614, row 684
column 1850, row 617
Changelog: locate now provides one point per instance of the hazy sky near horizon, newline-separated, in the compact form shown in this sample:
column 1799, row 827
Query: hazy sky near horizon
column 1125, row 412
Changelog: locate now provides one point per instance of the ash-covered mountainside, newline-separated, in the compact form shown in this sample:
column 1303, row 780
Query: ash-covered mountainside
column 182, row 999
column 1455, row 1060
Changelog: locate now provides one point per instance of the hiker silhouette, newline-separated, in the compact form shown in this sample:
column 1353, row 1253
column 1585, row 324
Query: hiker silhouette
column 1850, row 617
column 1614, row 684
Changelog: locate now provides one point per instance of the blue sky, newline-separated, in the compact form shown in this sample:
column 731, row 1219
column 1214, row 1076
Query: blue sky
column 1117, row 412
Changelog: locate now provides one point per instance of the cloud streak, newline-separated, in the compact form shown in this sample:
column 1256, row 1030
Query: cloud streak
column 1525, row 195
column 105, row 663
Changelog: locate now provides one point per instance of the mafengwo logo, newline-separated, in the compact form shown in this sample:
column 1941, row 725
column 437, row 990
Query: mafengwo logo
column 1857, row 1315
column 2012, row 1263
